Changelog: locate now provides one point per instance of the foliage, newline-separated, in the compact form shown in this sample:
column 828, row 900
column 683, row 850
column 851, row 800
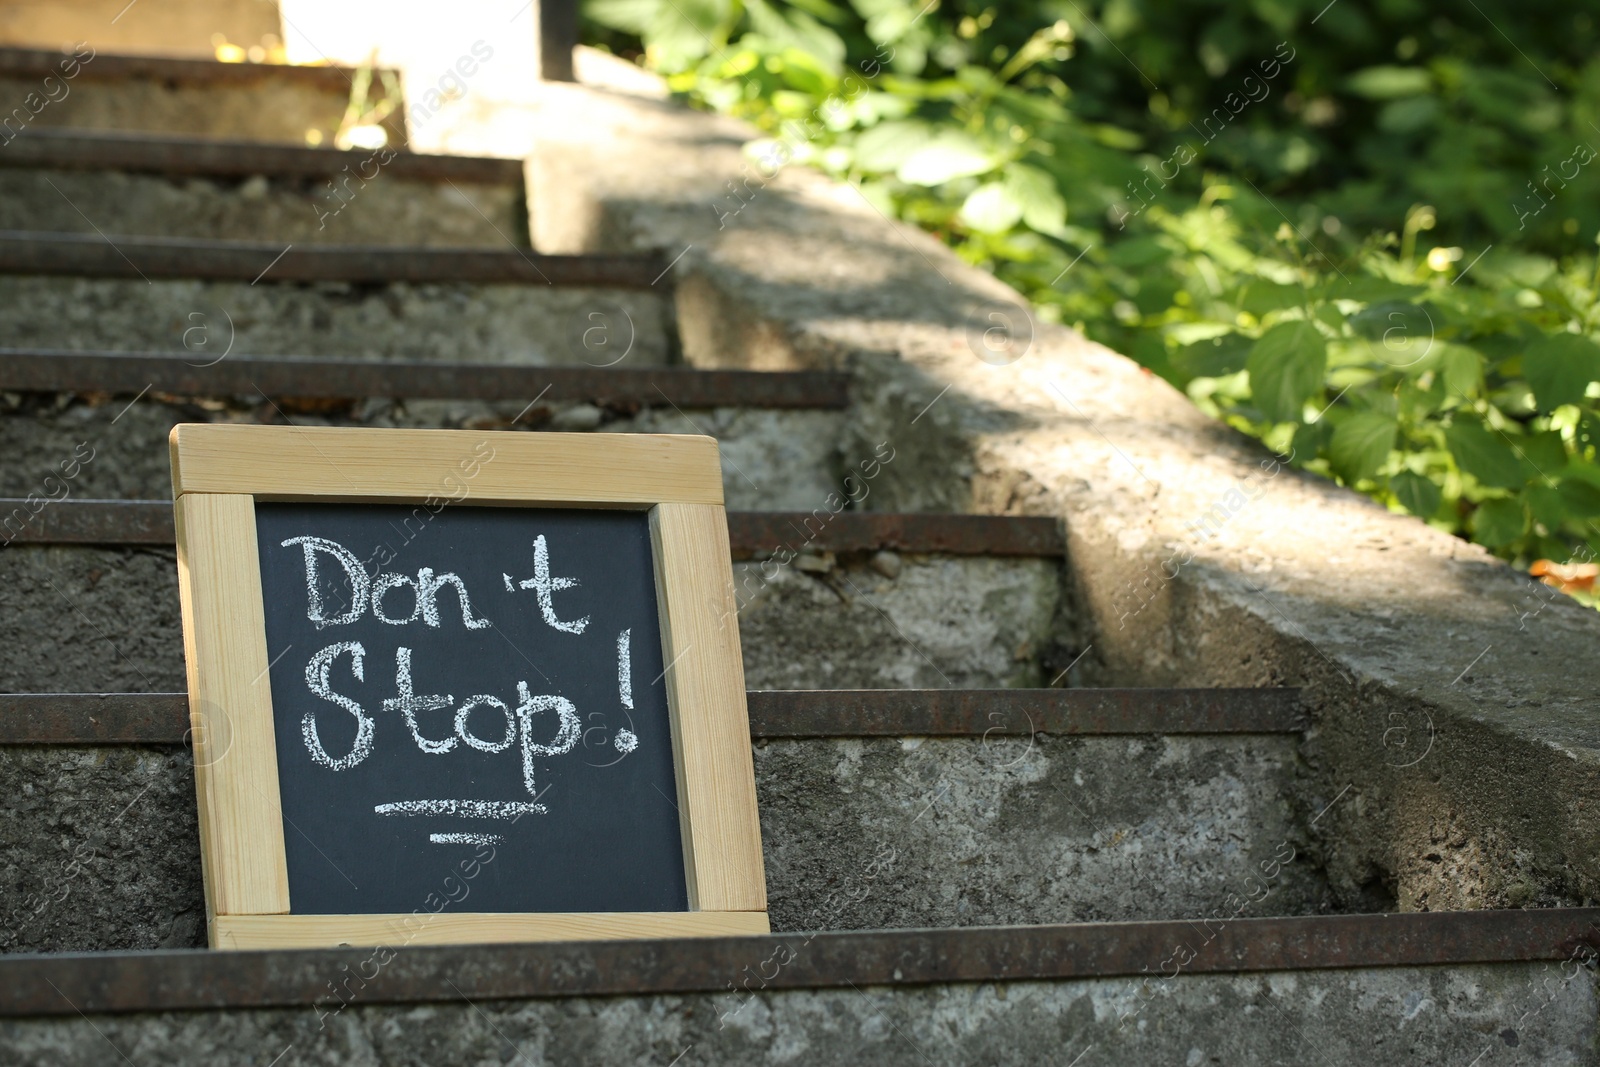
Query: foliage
column 1360, row 231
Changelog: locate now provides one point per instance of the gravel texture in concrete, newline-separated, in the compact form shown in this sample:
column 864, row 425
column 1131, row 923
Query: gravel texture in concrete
column 90, row 620
column 771, row 459
column 385, row 210
column 265, row 110
column 911, row 832
column 1500, row 1014
column 99, row 850
column 489, row 323
column 943, row 622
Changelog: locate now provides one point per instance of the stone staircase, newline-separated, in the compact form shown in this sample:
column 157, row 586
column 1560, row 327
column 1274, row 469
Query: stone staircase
column 969, row 858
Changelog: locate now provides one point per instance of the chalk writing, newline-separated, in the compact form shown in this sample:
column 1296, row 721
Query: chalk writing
column 500, row 681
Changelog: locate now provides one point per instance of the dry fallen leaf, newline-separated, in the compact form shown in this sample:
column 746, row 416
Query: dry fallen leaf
column 1567, row 577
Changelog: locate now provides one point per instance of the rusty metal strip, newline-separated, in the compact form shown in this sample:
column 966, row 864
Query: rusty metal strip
column 86, row 522
column 149, row 522
column 94, row 718
column 198, row 980
column 195, row 156
column 1022, row 712
column 92, row 256
column 685, row 387
column 163, row 718
column 34, row 63
column 867, row 531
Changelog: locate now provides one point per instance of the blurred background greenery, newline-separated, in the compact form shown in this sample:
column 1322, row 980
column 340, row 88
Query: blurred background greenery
column 1361, row 231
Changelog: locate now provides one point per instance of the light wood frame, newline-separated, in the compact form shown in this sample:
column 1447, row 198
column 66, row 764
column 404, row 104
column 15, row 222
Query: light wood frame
column 218, row 474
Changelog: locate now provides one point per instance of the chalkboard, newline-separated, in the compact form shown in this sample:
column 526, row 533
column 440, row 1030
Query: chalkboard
column 469, row 682
column 454, row 686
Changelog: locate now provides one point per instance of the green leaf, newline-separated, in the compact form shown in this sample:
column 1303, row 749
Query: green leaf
column 1139, row 252
column 1578, row 468
column 886, row 146
column 887, row 20
column 1499, row 522
column 949, row 155
column 991, row 209
column 1389, row 83
column 682, row 32
column 1416, row 494
column 1261, row 296
column 1408, row 115
column 1368, row 289
column 1286, row 367
column 630, row 16
column 1546, row 452
column 823, row 10
column 1546, row 506
column 1582, row 498
column 1310, row 440
column 1462, row 369
column 798, row 30
column 1043, row 209
column 1402, row 333
column 1360, row 445
column 1483, row 454
column 1560, row 368
column 1214, row 357
column 1385, row 318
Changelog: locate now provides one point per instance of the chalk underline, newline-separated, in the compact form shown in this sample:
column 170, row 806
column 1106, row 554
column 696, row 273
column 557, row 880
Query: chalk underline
column 472, row 809
column 465, row 839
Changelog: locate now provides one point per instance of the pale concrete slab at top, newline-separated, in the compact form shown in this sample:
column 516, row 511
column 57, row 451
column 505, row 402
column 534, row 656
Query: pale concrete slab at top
column 173, row 27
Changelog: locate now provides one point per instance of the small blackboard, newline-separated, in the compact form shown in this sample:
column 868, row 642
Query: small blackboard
column 482, row 682
column 455, row 686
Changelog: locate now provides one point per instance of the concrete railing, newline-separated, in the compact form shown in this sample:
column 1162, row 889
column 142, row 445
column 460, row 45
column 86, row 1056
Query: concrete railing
column 1452, row 761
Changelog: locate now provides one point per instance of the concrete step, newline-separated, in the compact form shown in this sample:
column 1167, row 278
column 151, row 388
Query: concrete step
column 1346, row 991
column 943, row 613
column 105, row 616
column 879, row 809
column 778, row 433
column 86, row 90
column 118, row 183
column 109, row 291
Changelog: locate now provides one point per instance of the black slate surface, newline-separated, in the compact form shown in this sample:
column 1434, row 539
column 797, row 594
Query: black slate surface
column 557, row 808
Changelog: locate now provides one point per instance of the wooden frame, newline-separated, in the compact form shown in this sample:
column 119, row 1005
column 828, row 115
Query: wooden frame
column 218, row 474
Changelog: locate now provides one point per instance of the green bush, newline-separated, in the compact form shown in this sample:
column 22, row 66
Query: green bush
column 1361, row 232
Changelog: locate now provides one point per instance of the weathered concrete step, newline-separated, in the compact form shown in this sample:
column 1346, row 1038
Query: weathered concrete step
column 771, row 458
column 778, row 433
column 78, row 182
column 84, row 617
column 1347, row 991
column 1041, row 806
column 84, row 89
column 92, row 292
